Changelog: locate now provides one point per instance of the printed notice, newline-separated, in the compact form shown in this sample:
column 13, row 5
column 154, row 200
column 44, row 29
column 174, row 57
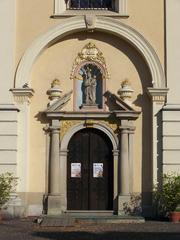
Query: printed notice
column 75, row 170
column 97, row 170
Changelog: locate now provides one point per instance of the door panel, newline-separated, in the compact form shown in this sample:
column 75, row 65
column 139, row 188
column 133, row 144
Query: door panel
column 101, row 188
column 89, row 147
column 77, row 193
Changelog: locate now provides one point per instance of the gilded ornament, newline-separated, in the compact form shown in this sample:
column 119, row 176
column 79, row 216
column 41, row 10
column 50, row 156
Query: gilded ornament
column 55, row 82
column 89, row 53
column 113, row 126
column 66, row 125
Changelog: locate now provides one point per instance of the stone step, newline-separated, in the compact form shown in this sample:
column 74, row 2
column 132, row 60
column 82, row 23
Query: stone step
column 56, row 221
column 88, row 213
column 110, row 219
column 69, row 220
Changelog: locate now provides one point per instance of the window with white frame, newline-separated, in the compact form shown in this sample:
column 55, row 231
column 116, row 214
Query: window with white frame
column 117, row 6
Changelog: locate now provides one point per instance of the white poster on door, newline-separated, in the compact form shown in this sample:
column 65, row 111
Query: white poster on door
column 97, row 170
column 75, row 170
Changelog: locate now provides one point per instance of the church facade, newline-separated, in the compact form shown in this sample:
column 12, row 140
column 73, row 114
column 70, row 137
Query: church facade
column 90, row 105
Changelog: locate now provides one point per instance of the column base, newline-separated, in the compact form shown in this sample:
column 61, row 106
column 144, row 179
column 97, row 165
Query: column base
column 122, row 201
column 55, row 205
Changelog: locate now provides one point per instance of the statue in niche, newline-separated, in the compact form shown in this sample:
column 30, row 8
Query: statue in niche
column 89, row 87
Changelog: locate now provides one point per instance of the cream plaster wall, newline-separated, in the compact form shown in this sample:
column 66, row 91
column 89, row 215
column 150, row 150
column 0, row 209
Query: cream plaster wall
column 7, row 49
column 33, row 19
column 173, row 53
column 145, row 16
column 122, row 62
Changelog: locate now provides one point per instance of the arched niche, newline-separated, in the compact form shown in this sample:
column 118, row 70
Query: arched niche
column 89, row 75
column 88, row 86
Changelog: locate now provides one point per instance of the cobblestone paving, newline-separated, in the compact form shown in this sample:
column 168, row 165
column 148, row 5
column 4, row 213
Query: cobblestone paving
column 24, row 229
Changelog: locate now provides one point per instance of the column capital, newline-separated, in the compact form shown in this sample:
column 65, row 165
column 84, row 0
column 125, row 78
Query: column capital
column 54, row 128
column 127, row 129
column 64, row 152
column 22, row 95
column 123, row 130
column 132, row 129
column 115, row 152
column 158, row 95
column 51, row 129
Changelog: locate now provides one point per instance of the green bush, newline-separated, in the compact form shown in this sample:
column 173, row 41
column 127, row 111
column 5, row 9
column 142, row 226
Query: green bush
column 167, row 197
column 7, row 185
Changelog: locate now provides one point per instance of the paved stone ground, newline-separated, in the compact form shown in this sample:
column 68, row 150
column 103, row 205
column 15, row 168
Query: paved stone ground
column 25, row 229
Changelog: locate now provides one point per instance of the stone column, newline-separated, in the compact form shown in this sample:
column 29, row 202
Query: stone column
column 131, row 159
column 54, row 188
column 54, row 170
column 124, row 177
column 124, row 163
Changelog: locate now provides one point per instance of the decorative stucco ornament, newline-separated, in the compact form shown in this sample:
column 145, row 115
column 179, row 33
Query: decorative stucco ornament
column 125, row 92
column 89, row 54
column 54, row 92
column 90, row 21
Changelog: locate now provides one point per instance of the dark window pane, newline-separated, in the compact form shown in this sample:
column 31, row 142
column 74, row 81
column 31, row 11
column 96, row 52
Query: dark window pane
column 91, row 4
column 84, row 4
column 75, row 4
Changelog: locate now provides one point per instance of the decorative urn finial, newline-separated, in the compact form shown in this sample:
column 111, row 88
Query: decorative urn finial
column 125, row 92
column 54, row 92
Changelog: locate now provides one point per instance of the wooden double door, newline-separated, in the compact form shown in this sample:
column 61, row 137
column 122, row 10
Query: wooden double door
column 90, row 171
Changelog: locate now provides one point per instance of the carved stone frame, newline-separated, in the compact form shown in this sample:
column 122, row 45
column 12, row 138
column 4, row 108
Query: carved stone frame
column 90, row 54
column 121, row 139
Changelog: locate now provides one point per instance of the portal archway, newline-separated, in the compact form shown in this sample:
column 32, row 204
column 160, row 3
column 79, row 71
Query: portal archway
column 106, row 131
column 90, row 171
column 77, row 24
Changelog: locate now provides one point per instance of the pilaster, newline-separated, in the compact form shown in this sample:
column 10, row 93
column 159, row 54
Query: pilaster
column 63, row 179
column 158, row 98
column 22, row 98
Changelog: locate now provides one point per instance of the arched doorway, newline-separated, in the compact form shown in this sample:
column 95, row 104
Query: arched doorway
column 90, row 171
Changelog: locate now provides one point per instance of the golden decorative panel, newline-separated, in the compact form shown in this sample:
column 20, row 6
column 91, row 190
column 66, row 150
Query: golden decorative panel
column 67, row 124
column 89, row 53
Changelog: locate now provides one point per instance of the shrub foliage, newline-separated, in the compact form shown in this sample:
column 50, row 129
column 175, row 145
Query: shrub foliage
column 7, row 185
column 167, row 197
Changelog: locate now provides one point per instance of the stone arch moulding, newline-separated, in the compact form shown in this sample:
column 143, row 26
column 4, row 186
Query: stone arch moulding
column 76, row 24
column 80, row 126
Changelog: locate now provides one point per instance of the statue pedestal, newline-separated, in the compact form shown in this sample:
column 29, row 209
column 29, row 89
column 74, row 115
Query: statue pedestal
column 89, row 107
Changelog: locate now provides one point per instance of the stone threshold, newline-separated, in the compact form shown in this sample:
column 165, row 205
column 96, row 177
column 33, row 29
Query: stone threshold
column 89, row 213
column 65, row 220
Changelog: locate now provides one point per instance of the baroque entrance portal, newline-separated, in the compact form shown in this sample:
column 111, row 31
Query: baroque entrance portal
column 90, row 171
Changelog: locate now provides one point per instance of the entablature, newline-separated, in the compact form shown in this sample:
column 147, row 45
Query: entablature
column 129, row 115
